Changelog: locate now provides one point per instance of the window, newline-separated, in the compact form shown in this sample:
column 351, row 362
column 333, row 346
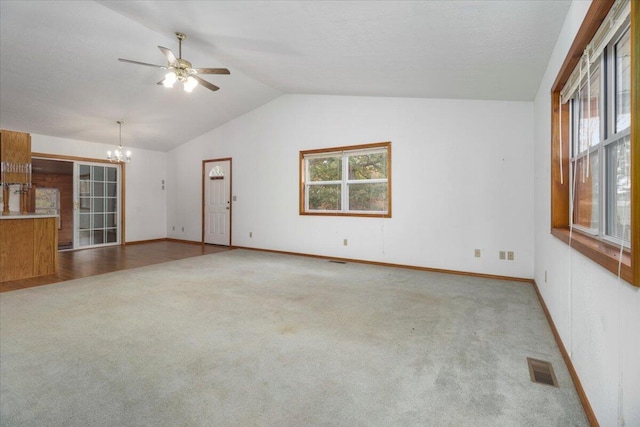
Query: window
column 600, row 145
column 595, row 140
column 351, row 181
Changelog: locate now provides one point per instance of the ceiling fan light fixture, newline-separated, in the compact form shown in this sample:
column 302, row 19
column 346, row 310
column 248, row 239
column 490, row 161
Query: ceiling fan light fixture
column 181, row 70
column 190, row 84
column 169, row 79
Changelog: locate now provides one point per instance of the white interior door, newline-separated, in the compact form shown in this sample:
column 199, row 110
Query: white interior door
column 217, row 201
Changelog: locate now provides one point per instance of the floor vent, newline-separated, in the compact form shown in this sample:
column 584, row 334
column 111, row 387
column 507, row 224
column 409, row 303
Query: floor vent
column 337, row 262
column 542, row 372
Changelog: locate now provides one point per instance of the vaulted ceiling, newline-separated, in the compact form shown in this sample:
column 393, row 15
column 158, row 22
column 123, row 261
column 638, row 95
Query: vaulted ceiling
column 60, row 74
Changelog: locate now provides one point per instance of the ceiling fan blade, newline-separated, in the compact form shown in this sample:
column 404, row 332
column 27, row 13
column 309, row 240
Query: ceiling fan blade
column 205, row 83
column 212, row 71
column 170, row 56
column 141, row 63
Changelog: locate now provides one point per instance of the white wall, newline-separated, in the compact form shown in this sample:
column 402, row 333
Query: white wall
column 597, row 315
column 462, row 179
column 145, row 199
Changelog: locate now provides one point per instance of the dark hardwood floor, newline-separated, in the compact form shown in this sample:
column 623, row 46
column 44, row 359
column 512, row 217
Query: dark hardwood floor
column 90, row 262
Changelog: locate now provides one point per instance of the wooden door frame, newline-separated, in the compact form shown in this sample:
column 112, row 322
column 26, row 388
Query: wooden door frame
column 204, row 182
column 122, row 183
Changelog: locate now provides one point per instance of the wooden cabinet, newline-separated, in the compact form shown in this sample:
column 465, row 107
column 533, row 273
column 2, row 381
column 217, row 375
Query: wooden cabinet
column 15, row 158
column 15, row 147
column 28, row 247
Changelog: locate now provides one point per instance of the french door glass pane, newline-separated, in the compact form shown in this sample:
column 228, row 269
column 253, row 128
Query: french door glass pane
column 623, row 82
column 111, row 235
column 97, row 173
column 585, row 203
column 619, row 189
column 85, row 172
column 111, row 175
column 112, row 189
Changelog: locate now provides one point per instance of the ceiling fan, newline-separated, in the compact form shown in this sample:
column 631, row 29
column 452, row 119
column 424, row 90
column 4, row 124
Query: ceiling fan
column 180, row 70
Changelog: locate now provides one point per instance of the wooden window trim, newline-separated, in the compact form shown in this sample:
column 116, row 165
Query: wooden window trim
column 386, row 145
column 600, row 252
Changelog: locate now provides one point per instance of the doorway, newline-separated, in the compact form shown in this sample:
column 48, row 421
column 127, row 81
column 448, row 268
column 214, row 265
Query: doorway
column 89, row 199
column 216, row 203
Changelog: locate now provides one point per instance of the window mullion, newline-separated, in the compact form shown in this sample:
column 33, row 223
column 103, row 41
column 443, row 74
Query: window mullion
column 345, row 185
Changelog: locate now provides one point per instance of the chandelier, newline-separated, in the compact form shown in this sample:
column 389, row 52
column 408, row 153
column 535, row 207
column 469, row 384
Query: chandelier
column 119, row 156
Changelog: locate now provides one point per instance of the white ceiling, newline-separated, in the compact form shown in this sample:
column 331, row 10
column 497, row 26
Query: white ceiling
column 59, row 73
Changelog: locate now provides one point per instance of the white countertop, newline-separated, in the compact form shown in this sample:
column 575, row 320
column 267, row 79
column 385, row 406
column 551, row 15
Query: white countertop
column 18, row 215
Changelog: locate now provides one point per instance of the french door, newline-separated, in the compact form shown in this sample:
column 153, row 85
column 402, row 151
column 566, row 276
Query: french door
column 96, row 204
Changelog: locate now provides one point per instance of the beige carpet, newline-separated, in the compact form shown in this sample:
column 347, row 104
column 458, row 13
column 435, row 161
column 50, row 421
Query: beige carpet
column 245, row 338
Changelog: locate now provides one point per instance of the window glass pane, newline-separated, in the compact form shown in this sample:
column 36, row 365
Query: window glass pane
column 586, row 197
column 84, row 221
column 368, row 197
column 98, row 173
column 325, row 197
column 111, row 205
column 111, row 174
column 619, row 190
column 85, row 238
column 85, row 204
column 111, row 236
column 98, row 220
column 111, row 220
column 623, row 82
column 589, row 116
column 85, row 188
column 98, row 205
column 98, row 189
column 325, row 169
column 85, row 171
column 112, row 189
column 368, row 166
column 98, row 237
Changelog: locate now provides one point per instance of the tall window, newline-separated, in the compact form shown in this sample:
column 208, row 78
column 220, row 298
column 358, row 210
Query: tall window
column 600, row 143
column 595, row 100
column 354, row 180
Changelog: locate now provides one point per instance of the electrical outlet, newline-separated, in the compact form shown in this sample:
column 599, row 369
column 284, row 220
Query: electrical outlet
column 235, row 198
column 477, row 253
column 182, row 228
column 174, row 228
column 510, row 256
column 251, row 234
column 502, row 255
column 345, row 242
column 545, row 276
